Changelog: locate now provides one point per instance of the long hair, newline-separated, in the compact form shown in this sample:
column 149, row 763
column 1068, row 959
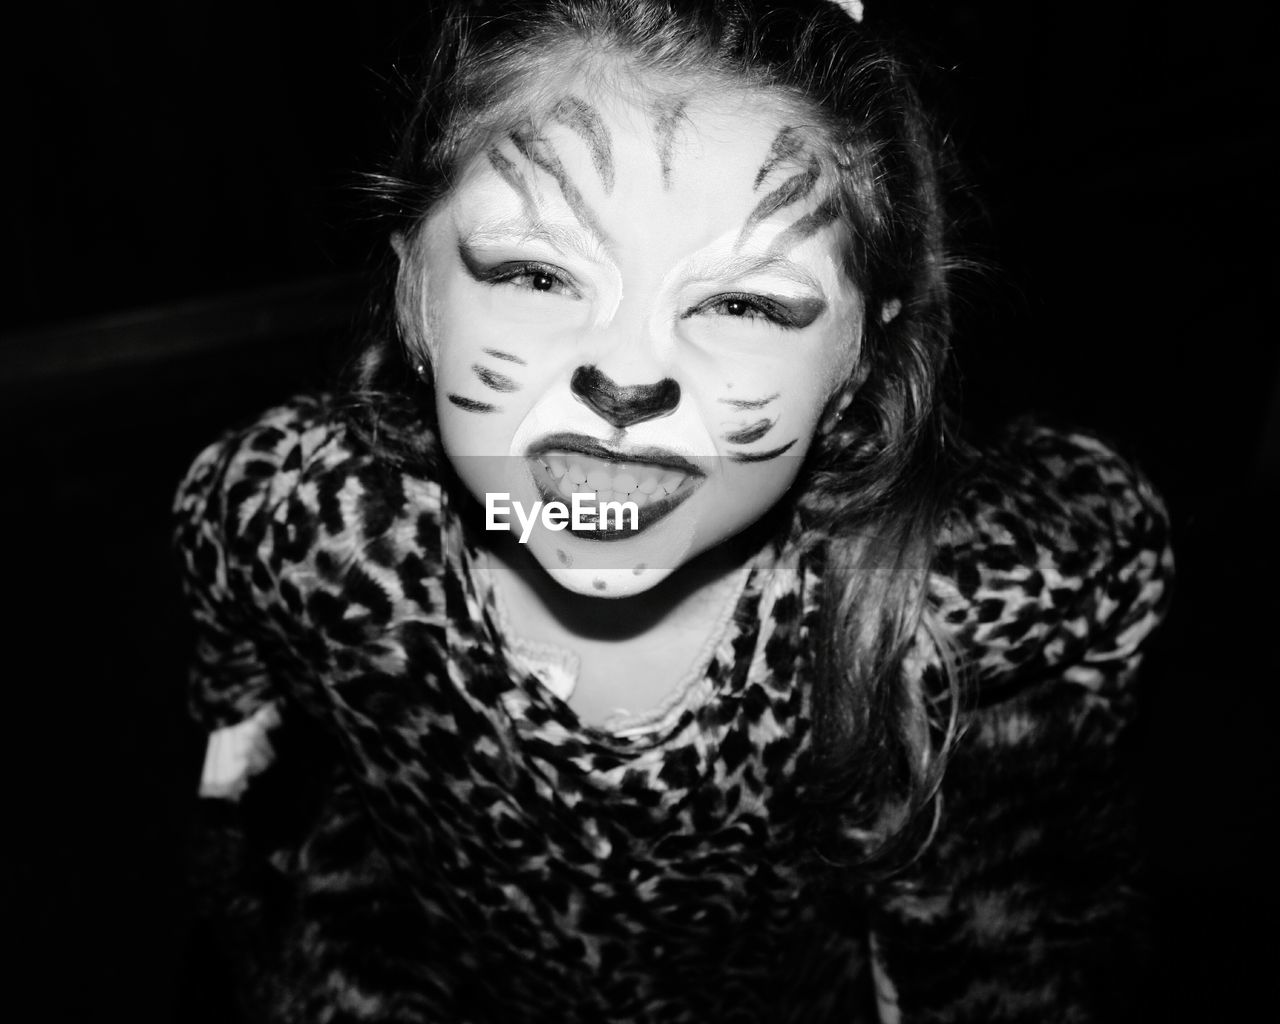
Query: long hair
column 869, row 499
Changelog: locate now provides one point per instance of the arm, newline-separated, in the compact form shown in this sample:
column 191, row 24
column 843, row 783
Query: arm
column 305, row 917
column 223, row 510
column 1026, row 906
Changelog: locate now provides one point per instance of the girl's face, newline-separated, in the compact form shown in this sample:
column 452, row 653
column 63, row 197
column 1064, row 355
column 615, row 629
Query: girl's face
column 637, row 304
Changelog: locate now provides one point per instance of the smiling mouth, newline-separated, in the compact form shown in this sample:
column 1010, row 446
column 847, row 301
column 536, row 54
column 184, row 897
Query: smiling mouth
column 565, row 466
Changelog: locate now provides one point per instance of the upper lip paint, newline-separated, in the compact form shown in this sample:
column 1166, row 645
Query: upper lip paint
column 567, row 442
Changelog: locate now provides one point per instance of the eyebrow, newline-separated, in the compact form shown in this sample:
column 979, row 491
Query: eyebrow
column 561, row 237
column 768, row 262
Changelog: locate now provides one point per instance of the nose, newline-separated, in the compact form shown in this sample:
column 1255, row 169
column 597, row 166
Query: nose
column 623, row 406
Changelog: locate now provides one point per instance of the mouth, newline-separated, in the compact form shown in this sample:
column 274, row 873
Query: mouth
column 656, row 480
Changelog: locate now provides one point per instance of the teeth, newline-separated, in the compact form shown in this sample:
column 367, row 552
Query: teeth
column 609, row 481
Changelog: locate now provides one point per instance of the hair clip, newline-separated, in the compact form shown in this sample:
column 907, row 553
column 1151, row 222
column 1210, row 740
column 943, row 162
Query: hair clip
column 853, row 8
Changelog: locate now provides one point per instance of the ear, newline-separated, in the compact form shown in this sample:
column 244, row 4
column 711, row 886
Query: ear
column 843, row 398
column 838, row 403
column 399, row 245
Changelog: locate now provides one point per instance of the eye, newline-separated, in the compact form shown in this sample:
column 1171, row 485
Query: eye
column 742, row 306
column 535, row 277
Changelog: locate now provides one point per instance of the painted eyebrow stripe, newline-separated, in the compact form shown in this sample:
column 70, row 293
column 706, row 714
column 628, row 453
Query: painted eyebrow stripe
column 582, row 119
column 762, row 456
column 470, row 404
column 499, row 354
column 664, row 129
column 494, row 380
column 512, row 176
column 804, row 227
column 750, row 433
column 785, row 146
column 794, row 189
column 537, row 152
column 751, row 403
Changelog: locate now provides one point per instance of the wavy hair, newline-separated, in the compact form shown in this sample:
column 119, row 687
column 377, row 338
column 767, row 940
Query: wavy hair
column 869, row 500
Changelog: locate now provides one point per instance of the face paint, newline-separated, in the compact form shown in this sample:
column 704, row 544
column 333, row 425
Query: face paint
column 786, row 146
column 666, row 120
column 790, row 192
column 585, row 121
column 624, row 406
column 640, row 314
column 493, row 380
column 746, row 435
column 536, row 148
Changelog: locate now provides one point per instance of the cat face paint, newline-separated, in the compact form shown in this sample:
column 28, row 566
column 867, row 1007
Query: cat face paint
column 643, row 302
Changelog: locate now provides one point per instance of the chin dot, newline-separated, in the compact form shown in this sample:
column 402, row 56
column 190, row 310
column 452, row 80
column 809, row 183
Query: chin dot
column 638, row 569
column 565, row 559
column 599, row 584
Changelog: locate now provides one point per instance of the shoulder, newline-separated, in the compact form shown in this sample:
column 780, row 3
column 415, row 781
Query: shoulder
column 1054, row 560
column 1067, row 488
column 300, row 458
column 258, row 461
column 298, row 508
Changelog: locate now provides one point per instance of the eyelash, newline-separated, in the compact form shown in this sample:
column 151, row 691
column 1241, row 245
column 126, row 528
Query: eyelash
column 511, row 273
column 759, row 308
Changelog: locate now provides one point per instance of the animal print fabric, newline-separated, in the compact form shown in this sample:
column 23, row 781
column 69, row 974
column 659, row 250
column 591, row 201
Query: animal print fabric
column 441, row 839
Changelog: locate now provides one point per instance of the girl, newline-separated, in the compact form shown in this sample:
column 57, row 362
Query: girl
column 796, row 709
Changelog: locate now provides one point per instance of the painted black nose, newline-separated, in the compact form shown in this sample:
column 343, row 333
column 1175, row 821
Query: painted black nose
column 624, row 406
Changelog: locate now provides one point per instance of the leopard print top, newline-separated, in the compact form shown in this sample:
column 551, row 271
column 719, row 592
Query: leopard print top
column 441, row 839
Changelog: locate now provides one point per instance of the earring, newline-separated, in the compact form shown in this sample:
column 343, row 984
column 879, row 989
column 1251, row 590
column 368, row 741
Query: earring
column 420, row 369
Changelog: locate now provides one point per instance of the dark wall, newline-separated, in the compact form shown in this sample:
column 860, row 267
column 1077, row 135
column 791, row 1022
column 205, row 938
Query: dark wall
column 162, row 155
column 163, row 151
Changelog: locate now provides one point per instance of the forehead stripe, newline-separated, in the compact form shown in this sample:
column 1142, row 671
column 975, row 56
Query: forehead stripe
column 665, row 129
column 791, row 191
column 582, row 119
column 804, row 227
column 512, row 176
column 786, row 146
column 537, row 152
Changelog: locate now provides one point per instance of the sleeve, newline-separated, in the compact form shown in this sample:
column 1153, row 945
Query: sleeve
column 1028, row 906
column 1055, row 562
column 223, row 510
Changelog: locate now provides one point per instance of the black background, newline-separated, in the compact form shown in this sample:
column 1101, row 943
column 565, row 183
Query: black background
column 182, row 247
